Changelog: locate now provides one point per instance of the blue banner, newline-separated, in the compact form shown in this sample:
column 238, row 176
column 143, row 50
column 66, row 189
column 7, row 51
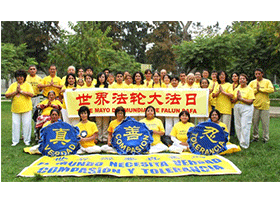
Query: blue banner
column 207, row 138
column 132, row 137
column 59, row 139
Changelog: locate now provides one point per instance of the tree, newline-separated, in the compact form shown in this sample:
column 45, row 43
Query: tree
column 39, row 37
column 165, row 34
column 13, row 58
column 89, row 46
column 242, row 47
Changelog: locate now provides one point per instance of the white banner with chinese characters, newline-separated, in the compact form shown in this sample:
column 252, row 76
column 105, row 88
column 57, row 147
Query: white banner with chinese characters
column 167, row 102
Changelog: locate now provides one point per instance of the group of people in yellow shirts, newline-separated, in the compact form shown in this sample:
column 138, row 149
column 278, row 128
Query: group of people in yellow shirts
column 247, row 103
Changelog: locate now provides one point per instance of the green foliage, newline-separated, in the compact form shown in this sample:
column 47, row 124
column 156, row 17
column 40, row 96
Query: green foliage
column 89, row 46
column 39, row 37
column 242, row 47
column 13, row 58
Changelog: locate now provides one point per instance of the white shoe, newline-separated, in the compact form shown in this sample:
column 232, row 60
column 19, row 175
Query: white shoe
column 27, row 143
column 14, row 144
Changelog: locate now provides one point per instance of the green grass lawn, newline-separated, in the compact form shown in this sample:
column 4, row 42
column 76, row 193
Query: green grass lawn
column 259, row 163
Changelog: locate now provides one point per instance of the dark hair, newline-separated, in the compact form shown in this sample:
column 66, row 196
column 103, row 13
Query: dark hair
column 83, row 109
column 89, row 67
column 186, row 113
column 259, row 69
column 182, row 73
column 89, row 76
column 51, row 92
column 118, row 109
column 242, row 74
column 98, row 82
column 55, row 110
column 226, row 76
column 66, row 80
column 215, row 110
column 148, row 108
column 167, row 76
column 159, row 79
column 142, row 77
column 206, row 71
column 176, row 77
column 32, row 66
column 213, row 71
column 202, row 80
column 106, row 69
column 148, row 70
column 119, row 72
column 22, row 73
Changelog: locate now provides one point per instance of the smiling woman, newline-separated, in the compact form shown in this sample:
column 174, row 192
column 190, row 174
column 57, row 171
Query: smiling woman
column 21, row 93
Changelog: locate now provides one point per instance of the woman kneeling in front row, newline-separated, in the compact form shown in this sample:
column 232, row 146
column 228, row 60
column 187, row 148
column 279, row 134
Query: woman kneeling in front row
column 156, row 126
column 88, row 133
column 179, row 133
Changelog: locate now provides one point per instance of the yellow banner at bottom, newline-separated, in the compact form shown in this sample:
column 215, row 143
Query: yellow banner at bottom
column 136, row 165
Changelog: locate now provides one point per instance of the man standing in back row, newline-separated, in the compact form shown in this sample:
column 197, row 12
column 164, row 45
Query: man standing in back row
column 262, row 88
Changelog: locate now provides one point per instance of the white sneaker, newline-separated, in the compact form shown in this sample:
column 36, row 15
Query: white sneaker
column 14, row 144
column 27, row 143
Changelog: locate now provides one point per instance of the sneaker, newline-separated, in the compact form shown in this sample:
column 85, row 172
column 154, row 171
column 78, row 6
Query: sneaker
column 27, row 143
column 14, row 144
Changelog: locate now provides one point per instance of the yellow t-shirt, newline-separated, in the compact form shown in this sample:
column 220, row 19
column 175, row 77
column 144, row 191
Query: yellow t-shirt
column 47, row 80
column 64, row 87
column 155, row 125
column 223, row 125
column 262, row 101
column 157, row 85
column 91, row 86
column 246, row 93
column 180, row 131
column 223, row 103
column 46, row 124
column 196, row 84
column 191, row 86
column 113, row 124
column 149, row 83
column 21, row 103
column 180, row 85
column 138, row 86
column 128, row 86
column 47, row 110
column 34, row 81
column 115, row 85
column 87, row 130
column 211, row 99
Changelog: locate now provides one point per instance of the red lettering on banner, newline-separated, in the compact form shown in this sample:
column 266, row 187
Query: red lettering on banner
column 191, row 99
column 120, row 98
column 173, row 98
column 101, row 98
column 137, row 97
column 155, row 98
column 83, row 99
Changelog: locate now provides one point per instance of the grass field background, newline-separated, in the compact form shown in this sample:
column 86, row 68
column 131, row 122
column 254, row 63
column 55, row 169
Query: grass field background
column 259, row 163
